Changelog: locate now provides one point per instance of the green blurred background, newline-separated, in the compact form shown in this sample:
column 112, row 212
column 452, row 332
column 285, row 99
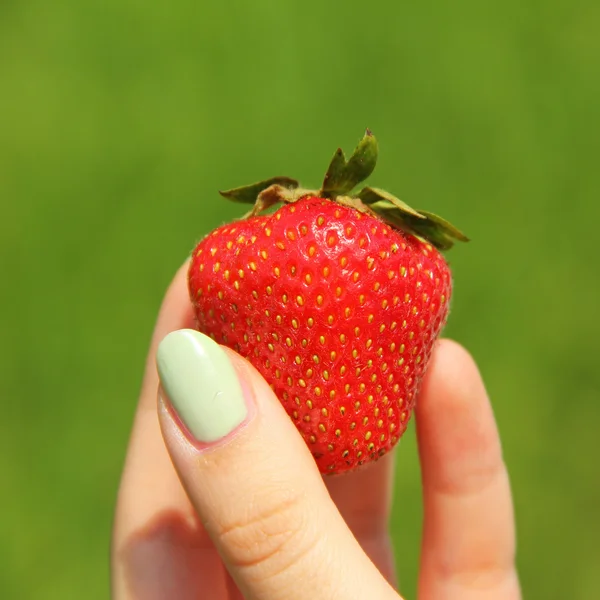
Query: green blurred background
column 119, row 121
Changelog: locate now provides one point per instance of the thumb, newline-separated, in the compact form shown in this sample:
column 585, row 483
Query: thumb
column 253, row 481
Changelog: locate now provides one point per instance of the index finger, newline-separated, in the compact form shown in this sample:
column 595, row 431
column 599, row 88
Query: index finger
column 159, row 548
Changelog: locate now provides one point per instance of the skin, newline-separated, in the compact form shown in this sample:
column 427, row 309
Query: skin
column 241, row 521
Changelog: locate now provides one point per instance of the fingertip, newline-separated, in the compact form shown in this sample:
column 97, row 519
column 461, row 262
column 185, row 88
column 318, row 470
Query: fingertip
column 176, row 309
column 453, row 395
column 454, row 349
column 456, row 429
column 452, row 368
column 175, row 313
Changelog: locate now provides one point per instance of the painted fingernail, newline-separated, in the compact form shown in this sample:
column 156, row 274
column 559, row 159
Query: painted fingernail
column 201, row 383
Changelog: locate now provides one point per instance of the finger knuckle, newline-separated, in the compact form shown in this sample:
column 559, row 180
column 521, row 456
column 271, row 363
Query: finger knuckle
column 482, row 578
column 273, row 533
column 475, row 479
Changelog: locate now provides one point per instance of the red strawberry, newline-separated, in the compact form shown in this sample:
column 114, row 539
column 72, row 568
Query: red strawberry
column 337, row 307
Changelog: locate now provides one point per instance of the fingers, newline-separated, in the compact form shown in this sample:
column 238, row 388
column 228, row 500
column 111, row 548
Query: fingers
column 253, row 481
column 159, row 549
column 469, row 536
column 364, row 499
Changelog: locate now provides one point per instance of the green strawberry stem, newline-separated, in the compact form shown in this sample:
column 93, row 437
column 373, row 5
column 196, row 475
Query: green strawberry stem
column 341, row 178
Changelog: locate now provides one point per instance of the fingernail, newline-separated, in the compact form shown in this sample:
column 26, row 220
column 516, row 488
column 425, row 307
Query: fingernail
column 201, row 383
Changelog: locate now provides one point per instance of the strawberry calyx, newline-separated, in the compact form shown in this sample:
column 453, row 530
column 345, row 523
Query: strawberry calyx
column 343, row 175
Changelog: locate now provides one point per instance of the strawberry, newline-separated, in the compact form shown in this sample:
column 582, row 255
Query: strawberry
column 337, row 300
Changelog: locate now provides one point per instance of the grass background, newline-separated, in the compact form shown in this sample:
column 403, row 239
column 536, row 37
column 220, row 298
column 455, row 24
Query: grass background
column 120, row 119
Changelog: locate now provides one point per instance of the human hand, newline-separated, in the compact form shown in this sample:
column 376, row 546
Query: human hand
column 246, row 514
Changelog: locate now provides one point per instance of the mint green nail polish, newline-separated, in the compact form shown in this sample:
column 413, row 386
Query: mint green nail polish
column 201, row 384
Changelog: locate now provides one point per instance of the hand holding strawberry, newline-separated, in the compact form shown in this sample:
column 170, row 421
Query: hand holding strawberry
column 339, row 310
column 224, row 504
column 336, row 299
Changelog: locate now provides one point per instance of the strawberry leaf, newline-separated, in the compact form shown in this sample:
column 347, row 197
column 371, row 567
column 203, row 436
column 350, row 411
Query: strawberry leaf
column 439, row 232
column 343, row 176
column 371, row 195
column 445, row 226
column 249, row 193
